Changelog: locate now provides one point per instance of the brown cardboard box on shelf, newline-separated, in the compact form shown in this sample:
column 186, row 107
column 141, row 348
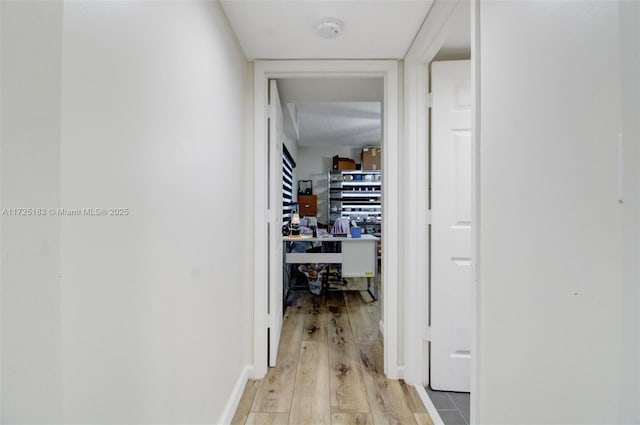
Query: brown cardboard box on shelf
column 343, row 163
column 371, row 158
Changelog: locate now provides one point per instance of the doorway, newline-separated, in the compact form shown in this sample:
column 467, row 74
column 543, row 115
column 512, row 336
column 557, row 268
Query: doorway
column 450, row 283
column 447, row 34
column 332, row 133
column 263, row 72
column 450, row 190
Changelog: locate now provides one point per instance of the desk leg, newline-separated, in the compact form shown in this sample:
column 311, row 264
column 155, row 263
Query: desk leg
column 373, row 291
column 325, row 284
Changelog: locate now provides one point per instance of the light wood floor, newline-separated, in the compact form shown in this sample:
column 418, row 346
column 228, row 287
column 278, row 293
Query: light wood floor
column 330, row 370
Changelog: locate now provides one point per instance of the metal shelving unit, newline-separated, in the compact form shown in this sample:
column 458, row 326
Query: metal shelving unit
column 356, row 195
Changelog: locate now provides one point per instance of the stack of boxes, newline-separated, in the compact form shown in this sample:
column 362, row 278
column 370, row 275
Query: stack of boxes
column 370, row 159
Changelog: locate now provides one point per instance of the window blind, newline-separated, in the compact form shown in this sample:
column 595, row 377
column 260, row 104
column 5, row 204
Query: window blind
column 288, row 205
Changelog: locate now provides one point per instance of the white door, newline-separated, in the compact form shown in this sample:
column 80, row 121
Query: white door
column 275, row 309
column 451, row 276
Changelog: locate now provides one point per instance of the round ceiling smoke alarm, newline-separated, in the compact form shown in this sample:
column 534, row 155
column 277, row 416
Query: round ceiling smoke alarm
column 329, row 28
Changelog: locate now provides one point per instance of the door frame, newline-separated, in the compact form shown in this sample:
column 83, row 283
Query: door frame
column 428, row 42
column 388, row 70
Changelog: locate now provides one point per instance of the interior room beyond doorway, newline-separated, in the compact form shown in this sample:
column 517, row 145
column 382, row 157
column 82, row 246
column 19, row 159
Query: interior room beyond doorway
column 333, row 135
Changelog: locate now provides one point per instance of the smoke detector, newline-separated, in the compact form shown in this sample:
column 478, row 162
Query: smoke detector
column 329, row 28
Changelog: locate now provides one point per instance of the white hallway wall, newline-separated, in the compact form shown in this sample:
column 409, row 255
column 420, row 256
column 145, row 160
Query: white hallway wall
column 630, row 88
column 141, row 318
column 552, row 283
column 30, row 345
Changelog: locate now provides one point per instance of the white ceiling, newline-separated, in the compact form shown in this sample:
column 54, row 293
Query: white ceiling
column 333, row 111
column 352, row 124
column 337, row 111
column 378, row 29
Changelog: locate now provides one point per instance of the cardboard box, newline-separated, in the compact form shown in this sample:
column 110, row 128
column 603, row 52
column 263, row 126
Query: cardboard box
column 371, row 158
column 343, row 163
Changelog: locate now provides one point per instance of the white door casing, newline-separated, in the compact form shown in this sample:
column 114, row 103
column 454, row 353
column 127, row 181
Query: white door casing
column 451, row 273
column 265, row 70
column 275, row 308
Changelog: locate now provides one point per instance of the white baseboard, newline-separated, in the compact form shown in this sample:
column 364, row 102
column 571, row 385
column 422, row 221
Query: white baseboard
column 234, row 399
column 431, row 409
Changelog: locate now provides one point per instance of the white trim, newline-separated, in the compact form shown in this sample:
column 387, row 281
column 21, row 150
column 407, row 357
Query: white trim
column 260, row 214
column 416, row 247
column 428, row 42
column 391, row 221
column 423, row 50
column 475, row 211
column 400, row 372
column 387, row 69
column 431, row 409
column 433, row 34
column 234, row 399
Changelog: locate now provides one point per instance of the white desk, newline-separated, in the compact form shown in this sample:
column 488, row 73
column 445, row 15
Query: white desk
column 358, row 257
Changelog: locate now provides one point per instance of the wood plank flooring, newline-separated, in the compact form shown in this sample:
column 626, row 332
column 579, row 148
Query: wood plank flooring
column 330, row 369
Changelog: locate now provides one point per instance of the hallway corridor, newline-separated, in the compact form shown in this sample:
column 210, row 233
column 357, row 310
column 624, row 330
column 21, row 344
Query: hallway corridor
column 330, row 369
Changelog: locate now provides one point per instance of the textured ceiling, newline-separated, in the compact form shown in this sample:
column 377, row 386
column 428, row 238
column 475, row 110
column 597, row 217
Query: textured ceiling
column 338, row 123
column 333, row 111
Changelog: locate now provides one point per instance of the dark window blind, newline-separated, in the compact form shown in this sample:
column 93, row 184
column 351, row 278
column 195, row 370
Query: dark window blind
column 288, row 206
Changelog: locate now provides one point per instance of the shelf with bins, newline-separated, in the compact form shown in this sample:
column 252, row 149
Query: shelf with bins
column 356, row 195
